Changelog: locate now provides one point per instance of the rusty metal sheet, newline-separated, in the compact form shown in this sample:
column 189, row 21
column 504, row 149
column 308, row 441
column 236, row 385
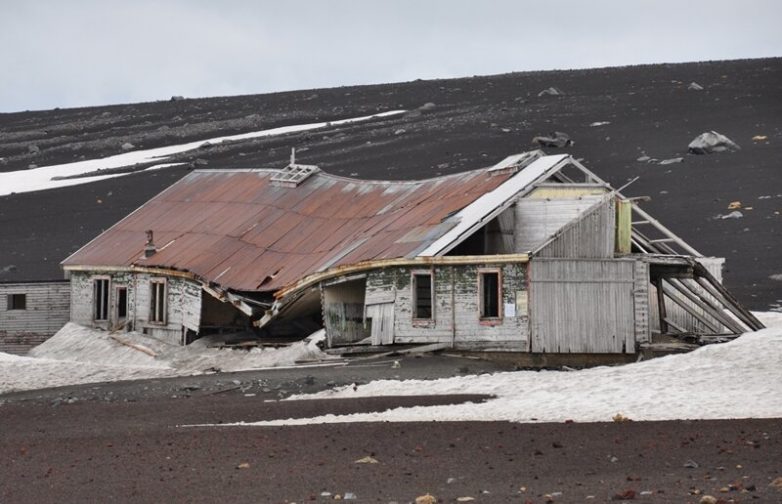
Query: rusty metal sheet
column 242, row 231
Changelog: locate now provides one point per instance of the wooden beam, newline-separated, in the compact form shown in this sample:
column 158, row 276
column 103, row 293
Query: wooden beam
column 667, row 232
column 674, row 325
column 712, row 309
column 751, row 320
column 689, row 309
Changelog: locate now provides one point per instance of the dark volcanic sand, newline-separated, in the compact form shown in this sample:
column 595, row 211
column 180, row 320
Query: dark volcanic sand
column 475, row 122
column 134, row 452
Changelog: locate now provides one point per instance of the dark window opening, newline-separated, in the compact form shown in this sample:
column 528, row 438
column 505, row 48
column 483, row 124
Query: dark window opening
column 423, row 295
column 17, row 301
column 157, row 308
column 100, row 287
column 122, row 303
column 490, row 294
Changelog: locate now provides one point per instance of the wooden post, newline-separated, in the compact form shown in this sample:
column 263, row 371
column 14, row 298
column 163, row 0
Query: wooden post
column 658, row 283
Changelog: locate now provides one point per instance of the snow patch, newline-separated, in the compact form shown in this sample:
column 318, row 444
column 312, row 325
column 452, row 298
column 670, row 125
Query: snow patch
column 738, row 379
column 38, row 179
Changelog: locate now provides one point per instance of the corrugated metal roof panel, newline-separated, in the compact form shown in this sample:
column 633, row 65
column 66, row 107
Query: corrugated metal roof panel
column 238, row 229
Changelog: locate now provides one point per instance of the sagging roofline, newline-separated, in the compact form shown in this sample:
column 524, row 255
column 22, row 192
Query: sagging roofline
column 291, row 292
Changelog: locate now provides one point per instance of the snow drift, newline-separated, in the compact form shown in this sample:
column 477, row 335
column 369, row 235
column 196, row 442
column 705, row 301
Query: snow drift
column 739, row 379
column 78, row 354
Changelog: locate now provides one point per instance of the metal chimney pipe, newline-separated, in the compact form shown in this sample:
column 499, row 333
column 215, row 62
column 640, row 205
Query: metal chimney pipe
column 149, row 248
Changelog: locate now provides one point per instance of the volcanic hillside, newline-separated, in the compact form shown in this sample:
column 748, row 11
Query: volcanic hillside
column 624, row 122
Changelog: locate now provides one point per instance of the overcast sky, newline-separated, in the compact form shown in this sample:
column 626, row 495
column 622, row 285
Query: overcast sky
column 66, row 53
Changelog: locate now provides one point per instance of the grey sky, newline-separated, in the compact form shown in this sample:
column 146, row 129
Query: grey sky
column 66, row 53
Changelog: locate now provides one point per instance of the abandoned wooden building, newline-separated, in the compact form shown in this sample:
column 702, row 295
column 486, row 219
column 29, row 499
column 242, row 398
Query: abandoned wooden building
column 535, row 254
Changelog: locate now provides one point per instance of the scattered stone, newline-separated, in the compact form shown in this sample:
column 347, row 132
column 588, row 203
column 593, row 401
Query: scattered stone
column 177, row 98
column 644, row 159
column 555, row 139
column 396, row 365
column 710, row 142
column 708, row 499
column 776, row 484
column 694, row 86
column 33, row 149
column 599, row 123
column 671, row 161
column 628, row 494
column 366, row 460
column 733, row 215
column 400, row 131
column 128, row 146
column 614, row 459
column 426, row 499
column 349, row 496
column 243, row 465
column 734, row 205
column 775, row 276
column 646, row 493
column 552, row 91
column 620, row 418
column 466, row 498
column 691, row 464
column 427, row 107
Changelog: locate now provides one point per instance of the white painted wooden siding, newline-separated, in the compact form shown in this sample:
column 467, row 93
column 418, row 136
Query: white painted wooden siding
column 46, row 311
column 582, row 306
column 538, row 219
column 591, row 235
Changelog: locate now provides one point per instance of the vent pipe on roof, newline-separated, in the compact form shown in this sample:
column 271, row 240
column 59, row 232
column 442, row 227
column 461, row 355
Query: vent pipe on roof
column 149, row 248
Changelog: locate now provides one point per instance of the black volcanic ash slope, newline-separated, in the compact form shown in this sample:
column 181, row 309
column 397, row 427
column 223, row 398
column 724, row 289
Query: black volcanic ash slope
column 469, row 123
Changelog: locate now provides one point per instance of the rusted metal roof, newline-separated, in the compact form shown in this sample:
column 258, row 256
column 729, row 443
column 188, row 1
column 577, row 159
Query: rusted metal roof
column 242, row 231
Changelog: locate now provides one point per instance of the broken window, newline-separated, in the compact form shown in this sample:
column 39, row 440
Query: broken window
column 100, row 298
column 17, row 301
column 122, row 303
column 422, row 289
column 489, row 286
column 157, row 307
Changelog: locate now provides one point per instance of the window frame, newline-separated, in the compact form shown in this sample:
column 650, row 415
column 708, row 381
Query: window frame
column 12, row 305
column 155, row 298
column 422, row 321
column 117, row 298
column 105, row 308
column 490, row 319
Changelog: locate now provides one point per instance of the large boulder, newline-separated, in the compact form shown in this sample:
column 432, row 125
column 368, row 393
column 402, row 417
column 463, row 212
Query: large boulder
column 711, row 141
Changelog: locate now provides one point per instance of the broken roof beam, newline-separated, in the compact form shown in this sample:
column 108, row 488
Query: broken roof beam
column 667, row 232
column 704, row 278
column 689, row 308
column 349, row 269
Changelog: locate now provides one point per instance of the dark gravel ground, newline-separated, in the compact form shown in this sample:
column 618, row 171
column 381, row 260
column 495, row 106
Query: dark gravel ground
column 473, row 122
column 126, row 442
column 135, row 452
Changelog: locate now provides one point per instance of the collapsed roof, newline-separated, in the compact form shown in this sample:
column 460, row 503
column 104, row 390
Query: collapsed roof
column 255, row 230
